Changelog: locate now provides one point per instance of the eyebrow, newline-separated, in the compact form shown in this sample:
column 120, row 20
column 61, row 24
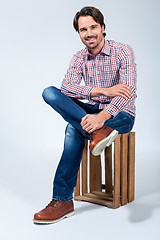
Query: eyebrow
column 81, row 29
column 94, row 25
column 84, row 28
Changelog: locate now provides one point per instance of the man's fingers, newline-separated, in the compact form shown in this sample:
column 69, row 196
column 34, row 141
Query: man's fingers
column 89, row 129
column 125, row 95
column 83, row 120
column 85, row 126
column 125, row 87
column 126, row 91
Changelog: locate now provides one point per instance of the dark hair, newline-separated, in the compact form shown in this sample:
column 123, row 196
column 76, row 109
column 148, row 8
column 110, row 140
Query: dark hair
column 89, row 11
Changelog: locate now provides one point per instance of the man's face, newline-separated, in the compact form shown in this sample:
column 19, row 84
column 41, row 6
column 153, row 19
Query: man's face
column 91, row 32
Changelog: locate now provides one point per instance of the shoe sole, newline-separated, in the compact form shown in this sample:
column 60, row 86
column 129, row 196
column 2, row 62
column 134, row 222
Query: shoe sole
column 106, row 142
column 53, row 221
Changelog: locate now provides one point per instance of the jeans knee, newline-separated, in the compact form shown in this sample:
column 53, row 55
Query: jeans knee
column 73, row 138
column 50, row 94
column 70, row 130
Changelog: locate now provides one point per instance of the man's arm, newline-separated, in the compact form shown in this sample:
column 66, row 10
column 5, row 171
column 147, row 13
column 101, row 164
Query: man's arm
column 121, row 90
column 71, row 82
column 121, row 93
column 128, row 75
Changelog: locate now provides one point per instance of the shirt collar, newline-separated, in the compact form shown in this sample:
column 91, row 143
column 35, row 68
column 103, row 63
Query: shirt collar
column 106, row 48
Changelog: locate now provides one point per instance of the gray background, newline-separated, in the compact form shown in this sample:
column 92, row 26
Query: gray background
column 37, row 41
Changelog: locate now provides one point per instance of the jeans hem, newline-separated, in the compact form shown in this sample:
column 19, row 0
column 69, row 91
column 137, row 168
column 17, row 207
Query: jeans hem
column 62, row 198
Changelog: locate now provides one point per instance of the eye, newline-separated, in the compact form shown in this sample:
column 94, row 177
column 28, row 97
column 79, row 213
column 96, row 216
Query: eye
column 94, row 26
column 82, row 29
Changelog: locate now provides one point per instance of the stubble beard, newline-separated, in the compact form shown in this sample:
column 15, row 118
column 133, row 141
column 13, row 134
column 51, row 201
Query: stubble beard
column 94, row 46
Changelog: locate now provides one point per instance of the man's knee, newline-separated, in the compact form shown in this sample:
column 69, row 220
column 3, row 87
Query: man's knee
column 73, row 137
column 70, row 130
column 50, row 94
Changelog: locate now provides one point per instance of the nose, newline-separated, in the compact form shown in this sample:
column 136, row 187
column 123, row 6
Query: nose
column 89, row 32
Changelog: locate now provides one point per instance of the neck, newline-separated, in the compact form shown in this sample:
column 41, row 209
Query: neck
column 97, row 49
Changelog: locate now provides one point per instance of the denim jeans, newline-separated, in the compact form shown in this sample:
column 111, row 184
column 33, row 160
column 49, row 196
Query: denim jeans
column 73, row 110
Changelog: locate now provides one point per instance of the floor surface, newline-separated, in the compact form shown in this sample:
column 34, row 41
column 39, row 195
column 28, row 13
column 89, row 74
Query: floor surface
column 21, row 199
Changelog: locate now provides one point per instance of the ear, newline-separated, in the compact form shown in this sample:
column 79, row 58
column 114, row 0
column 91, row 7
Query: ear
column 102, row 28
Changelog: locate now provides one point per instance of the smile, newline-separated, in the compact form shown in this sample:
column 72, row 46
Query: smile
column 90, row 39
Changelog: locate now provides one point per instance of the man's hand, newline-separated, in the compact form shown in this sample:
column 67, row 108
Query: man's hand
column 121, row 90
column 92, row 122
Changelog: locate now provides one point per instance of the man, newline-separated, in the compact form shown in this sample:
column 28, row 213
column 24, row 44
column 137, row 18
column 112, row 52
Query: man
column 109, row 73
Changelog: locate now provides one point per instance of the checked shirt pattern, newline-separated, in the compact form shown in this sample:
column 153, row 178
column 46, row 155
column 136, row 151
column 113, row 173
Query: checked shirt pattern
column 115, row 64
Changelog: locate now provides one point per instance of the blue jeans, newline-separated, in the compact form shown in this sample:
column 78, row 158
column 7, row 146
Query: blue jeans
column 73, row 110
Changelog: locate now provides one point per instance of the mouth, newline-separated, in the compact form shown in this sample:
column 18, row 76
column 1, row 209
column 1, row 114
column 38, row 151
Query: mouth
column 91, row 39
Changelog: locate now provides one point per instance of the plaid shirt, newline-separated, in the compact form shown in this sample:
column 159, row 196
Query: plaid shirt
column 113, row 65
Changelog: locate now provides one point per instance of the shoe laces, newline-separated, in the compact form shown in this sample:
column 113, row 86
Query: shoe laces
column 53, row 203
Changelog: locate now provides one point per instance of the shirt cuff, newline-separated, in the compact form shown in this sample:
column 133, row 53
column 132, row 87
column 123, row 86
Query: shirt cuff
column 86, row 92
column 111, row 109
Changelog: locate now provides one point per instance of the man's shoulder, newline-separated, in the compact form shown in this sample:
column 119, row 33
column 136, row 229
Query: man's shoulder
column 81, row 54
column 119, row 46
column 79, row 57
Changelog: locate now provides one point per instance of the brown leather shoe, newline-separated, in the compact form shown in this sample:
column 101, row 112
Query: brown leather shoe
column 54, row 212
column 101, row 138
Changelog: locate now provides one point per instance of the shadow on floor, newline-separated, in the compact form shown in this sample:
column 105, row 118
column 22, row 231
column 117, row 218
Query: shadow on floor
column 143, row 208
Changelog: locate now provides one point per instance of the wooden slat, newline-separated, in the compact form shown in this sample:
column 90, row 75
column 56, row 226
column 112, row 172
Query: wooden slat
column 108, row 169
column 117, row 172
column 124, row 159
column 98, row 196
column 95, row 173
column 77, row 188
column 131, row 167
column 91, row 198
column 84, row 169
column 103, row 195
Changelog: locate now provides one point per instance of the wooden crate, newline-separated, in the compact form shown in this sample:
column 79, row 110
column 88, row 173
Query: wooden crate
column 119, row 186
